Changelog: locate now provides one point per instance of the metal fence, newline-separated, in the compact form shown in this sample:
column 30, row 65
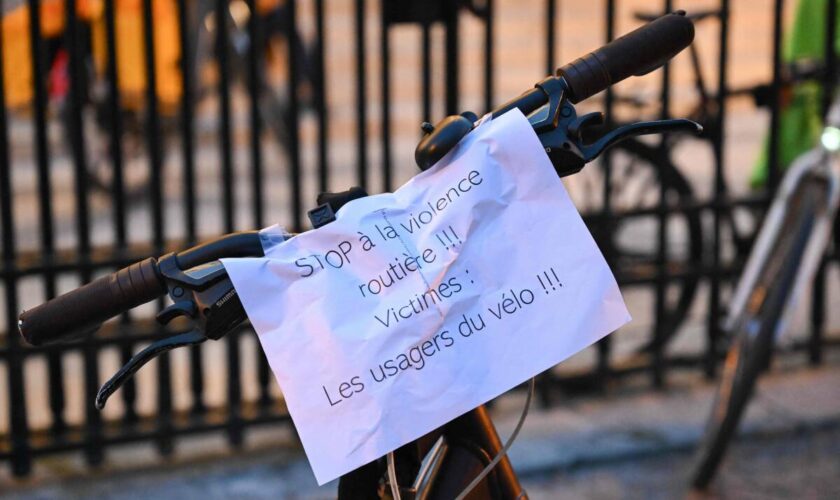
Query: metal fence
column 99, row 171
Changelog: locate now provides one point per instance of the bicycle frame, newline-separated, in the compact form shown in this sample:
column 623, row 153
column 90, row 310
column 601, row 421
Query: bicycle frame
column 788, row 251
column 821, row 164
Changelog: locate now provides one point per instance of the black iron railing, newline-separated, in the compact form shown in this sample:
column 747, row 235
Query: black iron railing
column 170, row 218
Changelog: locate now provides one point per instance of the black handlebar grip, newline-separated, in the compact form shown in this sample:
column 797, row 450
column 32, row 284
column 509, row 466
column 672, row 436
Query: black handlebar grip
column 81, row 310
column 634, row 54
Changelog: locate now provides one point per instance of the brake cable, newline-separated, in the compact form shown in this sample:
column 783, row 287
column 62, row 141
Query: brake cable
column 392, row 477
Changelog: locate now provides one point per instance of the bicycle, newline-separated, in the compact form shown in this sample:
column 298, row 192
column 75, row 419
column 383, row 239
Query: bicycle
column 639, row 160
column 778, row 265
column 465, row 455
column 786, row 254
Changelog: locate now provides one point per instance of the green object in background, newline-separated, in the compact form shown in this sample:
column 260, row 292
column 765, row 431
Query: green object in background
column 800, row 123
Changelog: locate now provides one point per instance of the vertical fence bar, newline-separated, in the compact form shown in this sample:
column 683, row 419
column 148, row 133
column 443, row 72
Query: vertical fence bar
column 153, row 129
column 188, row 64
column 225, row 151
column 829, row 82
column 115, row 124
column 451, row 75
column 197, row 380
column 129, row 388
column 45, row 211
column 153, row 137
column 294, row 144
column 544, row 380
column 815, row 340
column 713, row 332
column 658, row 367
column 235, row 429
column 321, row 98
column 426, row 76
column 361, row 99
column 189, row 52
column 605, row 344
column 255, row 87
column 21, row 460
column 234, row 393
column 93, row 419
column 385, row 61
column 488, row 55
column 773, row 166
column 550, row 36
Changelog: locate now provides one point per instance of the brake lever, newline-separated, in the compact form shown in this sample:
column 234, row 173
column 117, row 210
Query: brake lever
column 593, row 150
column 560, row 131
column 205, row 296
column 137, row 361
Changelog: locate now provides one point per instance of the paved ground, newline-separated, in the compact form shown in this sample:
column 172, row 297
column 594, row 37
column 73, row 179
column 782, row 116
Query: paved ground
column 797, row 465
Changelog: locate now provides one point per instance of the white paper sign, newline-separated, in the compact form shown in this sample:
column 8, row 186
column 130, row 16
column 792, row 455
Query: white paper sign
column 414, row 307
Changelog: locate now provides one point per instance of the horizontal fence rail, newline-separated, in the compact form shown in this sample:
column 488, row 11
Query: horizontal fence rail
column 139, row 128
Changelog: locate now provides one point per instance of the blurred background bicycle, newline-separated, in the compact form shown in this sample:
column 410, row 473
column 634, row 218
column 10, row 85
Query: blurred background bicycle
column 200, row 55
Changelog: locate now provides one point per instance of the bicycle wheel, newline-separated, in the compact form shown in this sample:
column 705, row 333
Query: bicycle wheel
column 637, row 172
column 755, row 332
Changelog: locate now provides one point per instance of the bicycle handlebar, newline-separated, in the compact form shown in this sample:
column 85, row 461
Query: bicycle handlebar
column 528, row 102
column 634, row 54
column 79, row 311
column 242, row 244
